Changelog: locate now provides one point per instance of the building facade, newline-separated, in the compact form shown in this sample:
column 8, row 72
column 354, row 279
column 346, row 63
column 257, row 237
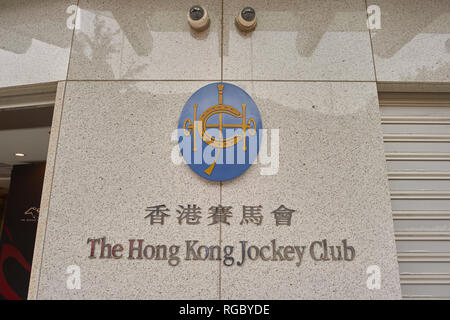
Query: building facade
column 341, row 87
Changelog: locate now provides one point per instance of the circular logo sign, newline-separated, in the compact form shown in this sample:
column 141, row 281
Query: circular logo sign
column 219, row 130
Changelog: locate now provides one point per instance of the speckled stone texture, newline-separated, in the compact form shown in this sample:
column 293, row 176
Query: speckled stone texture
column 113, row 152
column 46, row 191
column 298, row 40
column 113, row 160
column 332, row 172
column 145, row 40
column 34, row 40
column 413, row 44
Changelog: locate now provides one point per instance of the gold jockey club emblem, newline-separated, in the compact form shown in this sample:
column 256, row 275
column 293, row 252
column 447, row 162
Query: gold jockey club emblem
column 201, row 125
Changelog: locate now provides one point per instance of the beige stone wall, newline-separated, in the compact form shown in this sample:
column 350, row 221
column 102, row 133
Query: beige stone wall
column 35, row 41
column 295, row 40
column 413, row 44
column 127, row 70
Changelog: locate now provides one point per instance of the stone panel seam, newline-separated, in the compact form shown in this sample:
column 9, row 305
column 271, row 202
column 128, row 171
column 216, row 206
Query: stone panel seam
column 232, row 80
column 220, row 184
column 51, row 190
column 73, row 37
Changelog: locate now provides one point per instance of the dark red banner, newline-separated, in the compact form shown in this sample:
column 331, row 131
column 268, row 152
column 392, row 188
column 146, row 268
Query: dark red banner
column 19, row 230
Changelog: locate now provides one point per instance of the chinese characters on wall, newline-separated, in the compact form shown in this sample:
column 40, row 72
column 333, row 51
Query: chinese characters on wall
column 192, row 214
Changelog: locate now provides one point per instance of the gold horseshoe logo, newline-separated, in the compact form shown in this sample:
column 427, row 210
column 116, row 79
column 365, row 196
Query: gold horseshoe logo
column 201, row 125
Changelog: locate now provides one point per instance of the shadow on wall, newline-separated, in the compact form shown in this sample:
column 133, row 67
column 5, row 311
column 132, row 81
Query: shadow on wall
column 401, row 22
column 22, row 21
column 103, row 22
column 118, row 39
column 309, row 19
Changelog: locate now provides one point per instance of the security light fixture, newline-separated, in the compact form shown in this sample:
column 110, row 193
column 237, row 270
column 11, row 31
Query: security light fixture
column 246, row 19
column 198, row 18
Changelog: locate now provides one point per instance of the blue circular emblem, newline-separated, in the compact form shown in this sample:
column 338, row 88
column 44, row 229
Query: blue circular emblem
column 219, row 131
